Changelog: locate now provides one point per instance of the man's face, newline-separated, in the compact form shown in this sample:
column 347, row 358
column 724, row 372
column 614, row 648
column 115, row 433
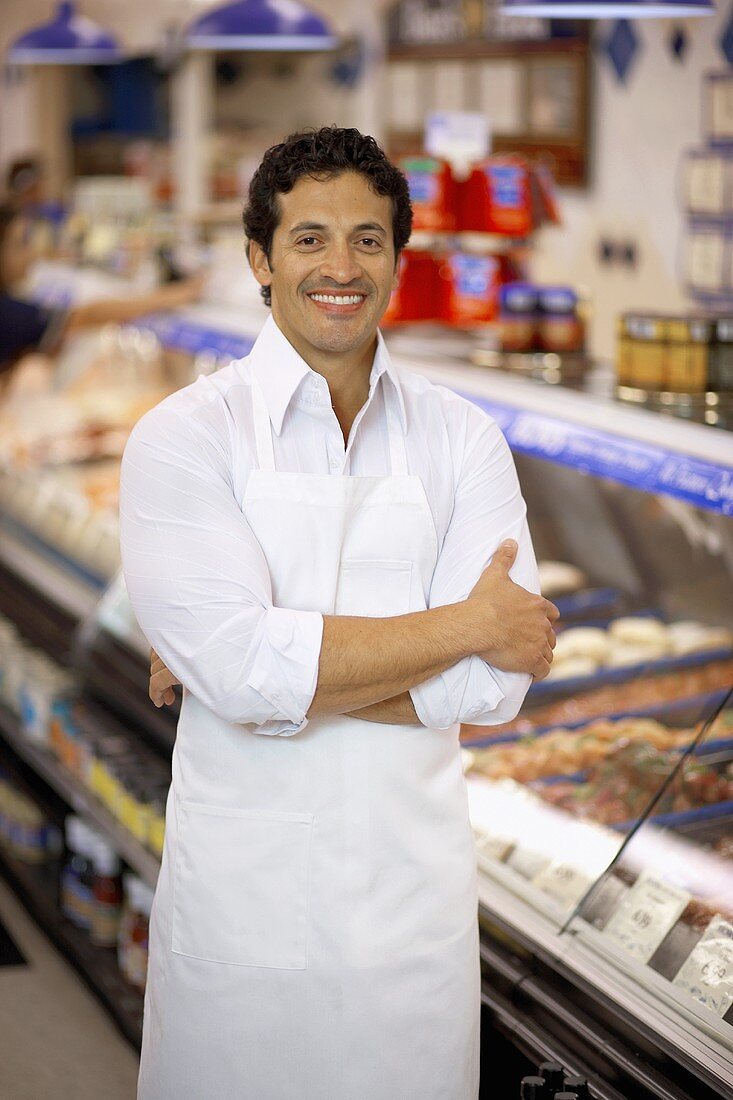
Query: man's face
column 332, row 267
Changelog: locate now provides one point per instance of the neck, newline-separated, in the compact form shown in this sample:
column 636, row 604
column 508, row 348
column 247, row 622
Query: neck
column 346, row 372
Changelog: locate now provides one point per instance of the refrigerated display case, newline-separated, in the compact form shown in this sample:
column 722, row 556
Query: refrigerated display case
column 605, row 915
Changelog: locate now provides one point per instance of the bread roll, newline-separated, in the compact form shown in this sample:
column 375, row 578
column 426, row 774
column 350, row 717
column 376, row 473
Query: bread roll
column 582, row 641
column 558, row 578
column 691, row 637
column 623, row 654
column 639, row 630
column 572, row 666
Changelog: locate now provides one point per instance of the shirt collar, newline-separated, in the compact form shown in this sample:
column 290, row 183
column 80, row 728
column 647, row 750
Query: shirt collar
column 280, row 371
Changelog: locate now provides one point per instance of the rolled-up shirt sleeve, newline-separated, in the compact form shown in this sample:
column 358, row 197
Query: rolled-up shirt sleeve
column 488, row 509
column 199, row 583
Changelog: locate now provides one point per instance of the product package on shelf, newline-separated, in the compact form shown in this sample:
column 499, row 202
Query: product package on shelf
column 111, row 906
column 129, row 780
column 25, row 830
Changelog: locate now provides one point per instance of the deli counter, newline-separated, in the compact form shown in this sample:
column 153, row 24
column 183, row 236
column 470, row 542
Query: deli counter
column 602, row 814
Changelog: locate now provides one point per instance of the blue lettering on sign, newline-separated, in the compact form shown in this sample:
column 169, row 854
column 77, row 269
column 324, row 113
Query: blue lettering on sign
column 423, row 186
column 506, row 183
column 175, row 332
column 602, row 454
column 473, row 275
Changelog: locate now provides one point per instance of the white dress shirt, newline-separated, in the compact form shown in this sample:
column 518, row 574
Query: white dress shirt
column 196, row 575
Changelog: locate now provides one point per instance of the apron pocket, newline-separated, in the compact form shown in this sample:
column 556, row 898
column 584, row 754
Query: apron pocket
column 373, row 587
column 241, row 886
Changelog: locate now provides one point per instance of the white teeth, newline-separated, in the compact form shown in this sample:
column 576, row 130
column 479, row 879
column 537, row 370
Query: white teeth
column 338, row 299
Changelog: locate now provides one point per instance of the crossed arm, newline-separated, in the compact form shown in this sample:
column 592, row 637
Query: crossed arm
column 470, row 655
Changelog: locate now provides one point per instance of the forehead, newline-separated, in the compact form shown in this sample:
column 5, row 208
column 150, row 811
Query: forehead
column 346, row 199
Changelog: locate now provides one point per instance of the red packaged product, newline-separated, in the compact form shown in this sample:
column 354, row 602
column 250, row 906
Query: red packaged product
column 469, row 288
column 417, row 297
column 496, row 198
column 544, row 195
column 432, row 193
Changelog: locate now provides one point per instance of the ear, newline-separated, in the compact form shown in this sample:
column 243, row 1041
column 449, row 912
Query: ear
column 260, row 264
column 396, row 274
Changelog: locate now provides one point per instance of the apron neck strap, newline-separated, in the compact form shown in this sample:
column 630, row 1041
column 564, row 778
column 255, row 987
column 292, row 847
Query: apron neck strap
column 263, row 433
column 263, row 429
column 397, row 445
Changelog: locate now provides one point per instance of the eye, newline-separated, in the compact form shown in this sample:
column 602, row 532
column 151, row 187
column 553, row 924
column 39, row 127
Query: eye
column 308, row 242
column 370, row 242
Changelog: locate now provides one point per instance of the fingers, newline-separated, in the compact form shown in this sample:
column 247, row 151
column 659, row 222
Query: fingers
column 551, row 611
column 541, row 669
column 551, row 638
column 505, row 555
column 160, row 688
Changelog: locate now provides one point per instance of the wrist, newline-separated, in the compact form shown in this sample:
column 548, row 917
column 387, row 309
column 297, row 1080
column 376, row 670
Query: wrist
column 461, row 632
column 483, row 628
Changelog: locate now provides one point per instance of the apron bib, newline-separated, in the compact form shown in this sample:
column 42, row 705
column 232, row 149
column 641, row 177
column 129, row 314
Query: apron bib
column 314, row 931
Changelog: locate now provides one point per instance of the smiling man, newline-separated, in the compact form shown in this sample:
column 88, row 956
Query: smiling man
column 319, row 549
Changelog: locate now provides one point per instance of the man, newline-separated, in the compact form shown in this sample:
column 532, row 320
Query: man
column 303, row 539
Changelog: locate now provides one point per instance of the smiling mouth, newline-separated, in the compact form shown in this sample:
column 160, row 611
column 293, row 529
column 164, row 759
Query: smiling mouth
column 338, row 299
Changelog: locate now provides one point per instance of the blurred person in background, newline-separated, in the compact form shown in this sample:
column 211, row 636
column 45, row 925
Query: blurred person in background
column 26, row 326
column 24, row 185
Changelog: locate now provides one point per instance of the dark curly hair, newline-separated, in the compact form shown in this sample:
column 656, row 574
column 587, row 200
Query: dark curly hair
column 321, row 154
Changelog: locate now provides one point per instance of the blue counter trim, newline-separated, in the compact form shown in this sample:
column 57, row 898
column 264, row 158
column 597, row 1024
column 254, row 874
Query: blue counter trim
column 643, row 466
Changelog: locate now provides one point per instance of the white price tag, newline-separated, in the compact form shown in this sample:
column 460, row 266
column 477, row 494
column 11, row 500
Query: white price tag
column 563, row 882
column 527, row 863
column 497, row 847
column 650, row 909
column 708, row 972
column 457, row 135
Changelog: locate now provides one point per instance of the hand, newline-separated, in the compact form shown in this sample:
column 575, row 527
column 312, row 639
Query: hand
column 191, row 288
column 514, row 627
column 161, row 682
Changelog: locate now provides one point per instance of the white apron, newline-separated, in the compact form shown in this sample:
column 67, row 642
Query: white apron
column 314, row 931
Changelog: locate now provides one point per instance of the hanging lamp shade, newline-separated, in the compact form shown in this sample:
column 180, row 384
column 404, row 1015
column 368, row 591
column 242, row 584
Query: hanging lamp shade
column 260, row 25
column 609, row 9
column 68, row 39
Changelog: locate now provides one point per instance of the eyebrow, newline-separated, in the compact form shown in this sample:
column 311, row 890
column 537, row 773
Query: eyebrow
column 362, row 228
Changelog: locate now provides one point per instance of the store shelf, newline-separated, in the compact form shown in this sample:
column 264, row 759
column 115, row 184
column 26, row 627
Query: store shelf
column 36, row 886
column 82, row 801
column 644, row 450
column 51, row 574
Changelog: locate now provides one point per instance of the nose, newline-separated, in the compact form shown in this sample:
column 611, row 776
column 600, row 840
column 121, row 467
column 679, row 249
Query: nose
column 340, row 264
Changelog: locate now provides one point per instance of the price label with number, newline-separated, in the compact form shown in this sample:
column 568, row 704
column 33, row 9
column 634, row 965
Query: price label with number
column 563, row 882
column 646, row 914
column 707, row 973
column 526, row 862
column 497, row 847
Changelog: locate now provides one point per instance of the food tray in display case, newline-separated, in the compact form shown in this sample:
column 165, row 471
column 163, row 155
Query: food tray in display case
column 559, row 687
column 651, row 697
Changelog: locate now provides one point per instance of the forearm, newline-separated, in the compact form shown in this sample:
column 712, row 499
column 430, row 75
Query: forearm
column 364, row 661
column 120, row 311
column 397, row 711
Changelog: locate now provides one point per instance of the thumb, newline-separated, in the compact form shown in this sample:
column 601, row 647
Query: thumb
column 505, row 554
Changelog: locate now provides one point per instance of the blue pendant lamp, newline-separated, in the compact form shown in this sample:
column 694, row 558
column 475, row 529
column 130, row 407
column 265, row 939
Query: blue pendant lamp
column 260, row 25
column 69, row 39
column 609, row 9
